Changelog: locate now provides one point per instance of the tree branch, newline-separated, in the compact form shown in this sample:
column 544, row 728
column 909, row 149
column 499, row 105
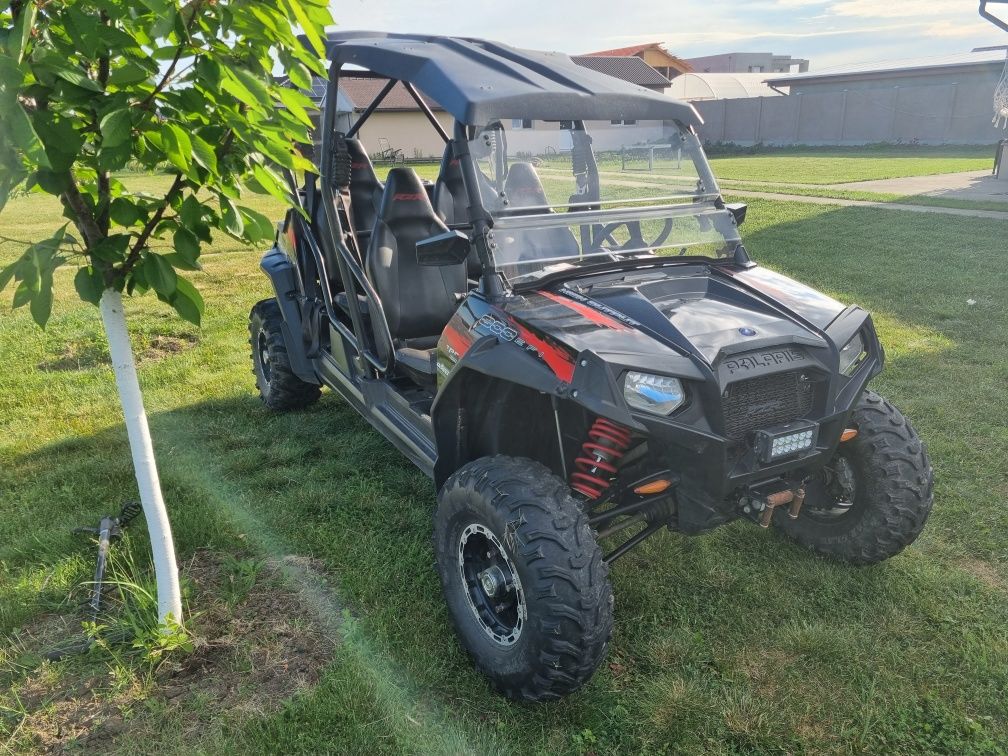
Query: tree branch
column 104, row 188
column 170, row 71
column 149, row 226
column 82, row 217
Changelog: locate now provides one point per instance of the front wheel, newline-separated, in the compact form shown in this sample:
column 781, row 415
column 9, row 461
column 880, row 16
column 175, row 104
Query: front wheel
column 523, row 577
column 872, row 500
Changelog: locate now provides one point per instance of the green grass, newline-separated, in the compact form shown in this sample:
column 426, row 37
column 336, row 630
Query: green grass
column 837, row 166
column 728, row 643
column 828, row 192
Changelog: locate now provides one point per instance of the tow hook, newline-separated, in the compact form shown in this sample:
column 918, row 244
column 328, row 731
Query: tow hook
column 795, row 498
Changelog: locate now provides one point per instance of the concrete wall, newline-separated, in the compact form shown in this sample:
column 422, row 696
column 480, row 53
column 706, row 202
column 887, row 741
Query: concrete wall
column 938, row 112
column 409, row 131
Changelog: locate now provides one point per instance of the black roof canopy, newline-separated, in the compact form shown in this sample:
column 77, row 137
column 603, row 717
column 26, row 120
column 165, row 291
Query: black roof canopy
column 478, row 81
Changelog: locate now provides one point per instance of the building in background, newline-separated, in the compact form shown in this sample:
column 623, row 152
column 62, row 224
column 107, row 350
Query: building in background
column 941, row 100
column 748, row 62
column 652, row 53
column 720, row 86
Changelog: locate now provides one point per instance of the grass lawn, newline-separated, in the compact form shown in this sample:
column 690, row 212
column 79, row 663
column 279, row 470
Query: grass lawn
column 837, row 166
column 732, row 642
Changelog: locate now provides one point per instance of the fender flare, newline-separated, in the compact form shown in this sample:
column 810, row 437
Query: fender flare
column 282, row 275
column 593, row 387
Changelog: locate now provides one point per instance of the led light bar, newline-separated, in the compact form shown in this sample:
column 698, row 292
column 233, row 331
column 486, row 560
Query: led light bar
column 787, row 440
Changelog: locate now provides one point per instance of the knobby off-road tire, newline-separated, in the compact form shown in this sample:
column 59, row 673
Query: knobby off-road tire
column 279, row 387
column 893, row 482
column 547, row 541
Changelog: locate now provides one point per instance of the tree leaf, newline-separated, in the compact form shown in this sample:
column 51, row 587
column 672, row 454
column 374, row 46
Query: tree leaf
column 159, row 273
column 78, row 79
column 131, row 73
column 269, row 183
column 116, row 128
column 17, row 42
column 307, row 26
column 299, row 76
column 237, row 86
column 177, row 146
column 6, row 274
column 257, row 225
column 204, row 154
column 187, row 302
column 124, row 212
column 89, row 284
column 295, row 102
column 186, row 244
column 233, row 222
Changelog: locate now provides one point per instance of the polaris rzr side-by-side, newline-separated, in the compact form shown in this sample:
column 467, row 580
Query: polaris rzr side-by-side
column 565, row 331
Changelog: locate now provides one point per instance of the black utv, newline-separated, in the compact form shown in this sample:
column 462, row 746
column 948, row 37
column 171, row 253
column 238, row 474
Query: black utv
column 565, row 331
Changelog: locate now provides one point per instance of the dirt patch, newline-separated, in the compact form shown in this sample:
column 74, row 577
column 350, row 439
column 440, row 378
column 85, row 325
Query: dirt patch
column 985, row 572
column 255, row 641
column 92, row 353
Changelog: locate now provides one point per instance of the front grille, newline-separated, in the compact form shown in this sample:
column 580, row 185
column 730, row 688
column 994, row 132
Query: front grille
column 765, row 401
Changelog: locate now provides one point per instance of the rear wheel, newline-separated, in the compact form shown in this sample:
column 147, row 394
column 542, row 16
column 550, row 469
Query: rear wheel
column 523, row 577
column 872, row 500
column 279, row 387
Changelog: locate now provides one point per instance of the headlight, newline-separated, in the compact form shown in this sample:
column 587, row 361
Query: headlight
column 850, row 355
column 658, row 394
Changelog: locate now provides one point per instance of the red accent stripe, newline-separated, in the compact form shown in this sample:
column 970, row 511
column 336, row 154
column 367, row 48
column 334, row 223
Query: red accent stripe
column 457, row 340
column 559, row 361
column 592, row 314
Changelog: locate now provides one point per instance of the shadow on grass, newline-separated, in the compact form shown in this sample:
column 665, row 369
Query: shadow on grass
column 714, row 634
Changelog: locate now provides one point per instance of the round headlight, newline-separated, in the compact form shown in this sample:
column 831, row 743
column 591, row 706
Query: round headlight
column 659, row 394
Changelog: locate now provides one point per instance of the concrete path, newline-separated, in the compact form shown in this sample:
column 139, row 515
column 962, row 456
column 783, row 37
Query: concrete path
column 972, row 185
column 969, row 213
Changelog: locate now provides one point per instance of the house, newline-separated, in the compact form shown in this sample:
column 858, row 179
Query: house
column 748, row 62
column 653, row 53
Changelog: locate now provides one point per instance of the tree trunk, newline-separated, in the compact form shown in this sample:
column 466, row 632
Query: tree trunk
column 165, row 568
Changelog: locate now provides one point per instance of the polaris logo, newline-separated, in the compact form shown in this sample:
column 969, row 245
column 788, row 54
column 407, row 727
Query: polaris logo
column 772, row 358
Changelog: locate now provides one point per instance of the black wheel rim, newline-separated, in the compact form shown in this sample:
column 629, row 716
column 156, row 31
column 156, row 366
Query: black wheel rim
column 492, row 587
column 832, row 494
column 264, row 357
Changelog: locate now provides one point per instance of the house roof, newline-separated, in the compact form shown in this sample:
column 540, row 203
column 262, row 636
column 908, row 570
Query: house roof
column 361, row 90
column 635, row 50
column 626, row 67
column 887, row 69
column 478, row 81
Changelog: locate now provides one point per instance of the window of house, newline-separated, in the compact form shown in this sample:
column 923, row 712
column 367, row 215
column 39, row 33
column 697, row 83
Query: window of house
column 624, row 122
column 521, row 123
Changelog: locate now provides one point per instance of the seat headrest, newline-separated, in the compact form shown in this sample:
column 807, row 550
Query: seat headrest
column 404, row 197
column 523, row 187
column 360, row 164
column 450, row 172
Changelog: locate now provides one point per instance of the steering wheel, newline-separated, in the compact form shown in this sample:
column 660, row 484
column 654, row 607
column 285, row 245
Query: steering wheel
column 604, row 234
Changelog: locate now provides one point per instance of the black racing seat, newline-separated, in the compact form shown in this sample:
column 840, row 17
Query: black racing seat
column 523, row 189
column 365, row 190
column 449, row 198
column 418, row 300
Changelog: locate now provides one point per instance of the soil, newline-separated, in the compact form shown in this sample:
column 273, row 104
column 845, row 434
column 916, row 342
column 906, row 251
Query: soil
column 256, row 643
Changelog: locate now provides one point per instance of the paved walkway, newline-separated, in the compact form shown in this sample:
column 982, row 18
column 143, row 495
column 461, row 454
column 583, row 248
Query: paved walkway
column 979, row 186
column 969, row 213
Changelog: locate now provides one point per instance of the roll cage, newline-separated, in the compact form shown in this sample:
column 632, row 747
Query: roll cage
column 477, row 82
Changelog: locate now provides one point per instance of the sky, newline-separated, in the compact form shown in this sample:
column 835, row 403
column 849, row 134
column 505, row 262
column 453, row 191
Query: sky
column 830, row 33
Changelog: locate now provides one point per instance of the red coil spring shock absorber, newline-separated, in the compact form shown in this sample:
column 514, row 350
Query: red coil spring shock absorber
column 606, row 443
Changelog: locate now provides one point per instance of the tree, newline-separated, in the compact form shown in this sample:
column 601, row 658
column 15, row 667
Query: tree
column 89, row 86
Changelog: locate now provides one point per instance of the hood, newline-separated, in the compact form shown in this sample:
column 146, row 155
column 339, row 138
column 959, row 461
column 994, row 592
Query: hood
column 698, row 309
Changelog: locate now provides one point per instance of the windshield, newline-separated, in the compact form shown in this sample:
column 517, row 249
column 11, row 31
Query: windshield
column 561, row 194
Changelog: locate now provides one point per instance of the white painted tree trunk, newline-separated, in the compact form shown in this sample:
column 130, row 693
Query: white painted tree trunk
column 165, row 569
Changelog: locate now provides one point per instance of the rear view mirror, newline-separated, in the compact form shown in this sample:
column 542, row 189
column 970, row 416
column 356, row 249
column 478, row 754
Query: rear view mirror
column 448, row 248
column 738, row 211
